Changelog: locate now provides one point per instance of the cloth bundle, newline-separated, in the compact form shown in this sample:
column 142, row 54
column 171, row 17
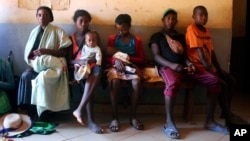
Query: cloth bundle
column 81, row 71
column 122, row 56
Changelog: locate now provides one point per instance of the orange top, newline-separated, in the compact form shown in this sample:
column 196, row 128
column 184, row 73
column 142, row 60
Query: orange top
column 198, row 39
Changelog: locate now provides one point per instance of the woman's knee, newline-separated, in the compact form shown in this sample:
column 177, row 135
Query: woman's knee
column 174, row 84
column 215, row 86
column 209, row 80
column 96, row 73
column 172, row 88
column 170, row 93
column 96, row 70
column 115, row 83
column 136, row 85
column 136, row 82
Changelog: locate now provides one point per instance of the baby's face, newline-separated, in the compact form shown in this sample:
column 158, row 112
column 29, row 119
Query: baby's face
column 91, row 40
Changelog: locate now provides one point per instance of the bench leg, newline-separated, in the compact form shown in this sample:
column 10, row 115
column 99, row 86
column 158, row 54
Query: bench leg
column 188, row 105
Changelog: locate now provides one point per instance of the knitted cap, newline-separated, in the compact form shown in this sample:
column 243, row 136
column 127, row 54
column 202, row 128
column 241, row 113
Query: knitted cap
column 168, row 11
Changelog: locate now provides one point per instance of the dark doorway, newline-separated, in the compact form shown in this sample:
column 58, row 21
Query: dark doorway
column 240, row 50
column 247, row 51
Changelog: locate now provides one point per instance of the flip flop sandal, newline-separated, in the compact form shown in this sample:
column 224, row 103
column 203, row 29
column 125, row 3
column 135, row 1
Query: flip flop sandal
column 114, row 126
column 97, row 130
column 137, row 124
column 171, row 132
column 219, row 129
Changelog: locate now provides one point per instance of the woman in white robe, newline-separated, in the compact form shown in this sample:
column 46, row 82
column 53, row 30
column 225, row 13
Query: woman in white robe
column 45, row 83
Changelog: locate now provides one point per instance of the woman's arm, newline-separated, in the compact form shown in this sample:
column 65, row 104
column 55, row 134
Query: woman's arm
column 57, row 53
column 139, row 57
column 110, row 50
column 162, row 61
column 203, row 59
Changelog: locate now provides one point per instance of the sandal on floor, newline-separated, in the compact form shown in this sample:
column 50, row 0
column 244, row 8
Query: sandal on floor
column 114, row 126
column 137, row 124
column 171, row 132
column 218, row 128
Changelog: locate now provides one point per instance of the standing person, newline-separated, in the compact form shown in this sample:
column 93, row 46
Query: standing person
column 89, row 51
column 130, row 49
column 82, row 19
column 201, row 52
column 168, row 47
column 45, row 53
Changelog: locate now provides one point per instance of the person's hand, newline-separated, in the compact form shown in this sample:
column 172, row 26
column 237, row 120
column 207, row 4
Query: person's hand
column 82, row 62
column 191, row 68
column 177, row 67
column 212, row 69
column 91, row 60
column 40, row 51
column 119, row 65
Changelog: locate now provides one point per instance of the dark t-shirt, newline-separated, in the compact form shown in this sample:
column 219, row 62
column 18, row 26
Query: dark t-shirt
column 165, row 50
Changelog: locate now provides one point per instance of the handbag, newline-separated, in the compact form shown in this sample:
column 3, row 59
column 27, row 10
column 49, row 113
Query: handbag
column 175, row 45
column 4, row 103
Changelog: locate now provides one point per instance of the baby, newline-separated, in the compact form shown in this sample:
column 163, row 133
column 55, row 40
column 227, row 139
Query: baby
column 90, row 51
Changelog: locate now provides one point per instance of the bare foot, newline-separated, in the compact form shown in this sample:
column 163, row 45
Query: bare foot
column 95, row 127
column 78, row 117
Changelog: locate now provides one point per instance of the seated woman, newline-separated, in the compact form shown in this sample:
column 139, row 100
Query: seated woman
column 122, row 50
column 45, row 53
column 82, row 19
